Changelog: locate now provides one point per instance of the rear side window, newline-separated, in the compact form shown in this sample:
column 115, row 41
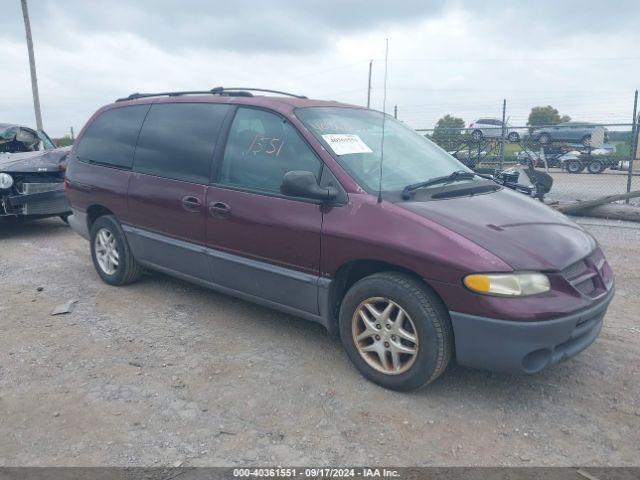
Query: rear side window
column 111, row 138
column 178, row 139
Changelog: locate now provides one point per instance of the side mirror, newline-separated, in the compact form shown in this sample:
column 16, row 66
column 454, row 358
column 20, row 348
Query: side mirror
column 300, row 183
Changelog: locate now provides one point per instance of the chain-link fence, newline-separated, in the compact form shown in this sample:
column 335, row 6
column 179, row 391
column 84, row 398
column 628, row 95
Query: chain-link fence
column 586, row 160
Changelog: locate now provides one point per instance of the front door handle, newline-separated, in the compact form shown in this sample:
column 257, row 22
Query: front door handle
column 219, row 209
column 191, row 204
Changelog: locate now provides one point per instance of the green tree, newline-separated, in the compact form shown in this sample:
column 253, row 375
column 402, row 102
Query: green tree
column 546, row 116
column 63, row 141
column 448, row 131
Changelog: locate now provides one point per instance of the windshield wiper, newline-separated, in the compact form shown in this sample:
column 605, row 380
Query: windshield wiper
column 457, row 175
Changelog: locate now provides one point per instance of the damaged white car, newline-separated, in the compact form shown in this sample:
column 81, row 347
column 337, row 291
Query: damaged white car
column 31, row 174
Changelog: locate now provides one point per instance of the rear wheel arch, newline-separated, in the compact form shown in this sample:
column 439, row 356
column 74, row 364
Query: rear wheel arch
column 94, row 212
column 110, row 252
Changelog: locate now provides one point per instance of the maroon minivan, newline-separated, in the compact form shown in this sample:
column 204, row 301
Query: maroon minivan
column 408, row 256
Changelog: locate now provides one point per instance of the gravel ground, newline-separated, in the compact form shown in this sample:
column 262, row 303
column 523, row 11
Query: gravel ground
column 166, row 373
column 586, row 186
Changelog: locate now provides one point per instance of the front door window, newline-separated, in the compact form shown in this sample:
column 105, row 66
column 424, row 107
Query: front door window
column 262, row 147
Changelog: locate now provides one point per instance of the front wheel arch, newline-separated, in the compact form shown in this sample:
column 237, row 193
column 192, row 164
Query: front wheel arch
column 424, row 310
column 350, row 273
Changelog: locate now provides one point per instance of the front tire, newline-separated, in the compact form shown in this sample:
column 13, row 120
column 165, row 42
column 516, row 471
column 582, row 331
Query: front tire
column 477, row 135
column 111, row 254
column 396, row 331
column 513, row 137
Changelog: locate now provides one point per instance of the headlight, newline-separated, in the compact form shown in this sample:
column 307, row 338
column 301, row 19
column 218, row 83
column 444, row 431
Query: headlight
column 508, row 284
column 5, row 180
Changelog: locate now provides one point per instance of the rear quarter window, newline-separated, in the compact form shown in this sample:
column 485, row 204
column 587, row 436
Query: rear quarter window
column 111, row 138
column 177, row 140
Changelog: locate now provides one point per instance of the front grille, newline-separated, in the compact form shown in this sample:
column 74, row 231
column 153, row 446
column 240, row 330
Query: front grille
column 586, row 287
column 575, row 270
column 31, row 188
column 590, row 276
column 46, row 206
column 52, row 202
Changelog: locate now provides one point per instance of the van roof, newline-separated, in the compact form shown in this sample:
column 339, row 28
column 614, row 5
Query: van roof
column 283, row 102
column 224, row 91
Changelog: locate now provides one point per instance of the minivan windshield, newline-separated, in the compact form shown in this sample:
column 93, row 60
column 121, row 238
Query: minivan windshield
column 353, row 136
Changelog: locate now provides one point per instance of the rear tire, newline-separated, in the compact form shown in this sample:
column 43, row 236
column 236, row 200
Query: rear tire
column 476, row 135
column 586, row 141
column 513, row 137
column 111, row 254
column 596, row 167
column 377, row 347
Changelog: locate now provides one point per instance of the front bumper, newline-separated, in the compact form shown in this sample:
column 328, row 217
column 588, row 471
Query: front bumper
column 525, row 347
column 51, row 202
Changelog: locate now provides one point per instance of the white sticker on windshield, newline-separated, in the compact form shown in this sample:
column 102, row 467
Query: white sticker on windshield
column 344, row 144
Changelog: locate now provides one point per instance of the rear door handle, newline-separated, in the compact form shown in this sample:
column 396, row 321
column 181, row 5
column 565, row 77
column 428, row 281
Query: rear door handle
column 219, row 209
column 191, row 204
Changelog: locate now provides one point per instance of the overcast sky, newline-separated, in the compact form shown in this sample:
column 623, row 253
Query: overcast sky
column 452, row 57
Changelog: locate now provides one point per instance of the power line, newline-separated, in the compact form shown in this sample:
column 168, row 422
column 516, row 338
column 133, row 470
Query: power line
column 515, row 59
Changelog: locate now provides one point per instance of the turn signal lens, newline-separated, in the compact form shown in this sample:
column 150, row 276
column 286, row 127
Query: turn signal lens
column 508, row 284
column 478, row 283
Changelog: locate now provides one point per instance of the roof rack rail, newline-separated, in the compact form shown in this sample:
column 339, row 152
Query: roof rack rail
column 135, row 96
column 232, row 92
column 266, row 90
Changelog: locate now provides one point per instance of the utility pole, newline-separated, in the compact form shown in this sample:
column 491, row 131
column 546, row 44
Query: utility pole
column 395, row 111
column 32, row 65
column 634, row 142
column 369, row 86
column 502, row 139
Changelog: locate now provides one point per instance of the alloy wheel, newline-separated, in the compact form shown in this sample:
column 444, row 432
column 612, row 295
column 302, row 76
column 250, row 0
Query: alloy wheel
column 106, row 248
column 385, row 336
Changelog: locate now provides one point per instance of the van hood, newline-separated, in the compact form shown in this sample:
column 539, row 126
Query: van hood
column 38, row 161
column 523, row 232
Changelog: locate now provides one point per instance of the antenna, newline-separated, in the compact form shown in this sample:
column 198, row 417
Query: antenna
column 384, row 116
